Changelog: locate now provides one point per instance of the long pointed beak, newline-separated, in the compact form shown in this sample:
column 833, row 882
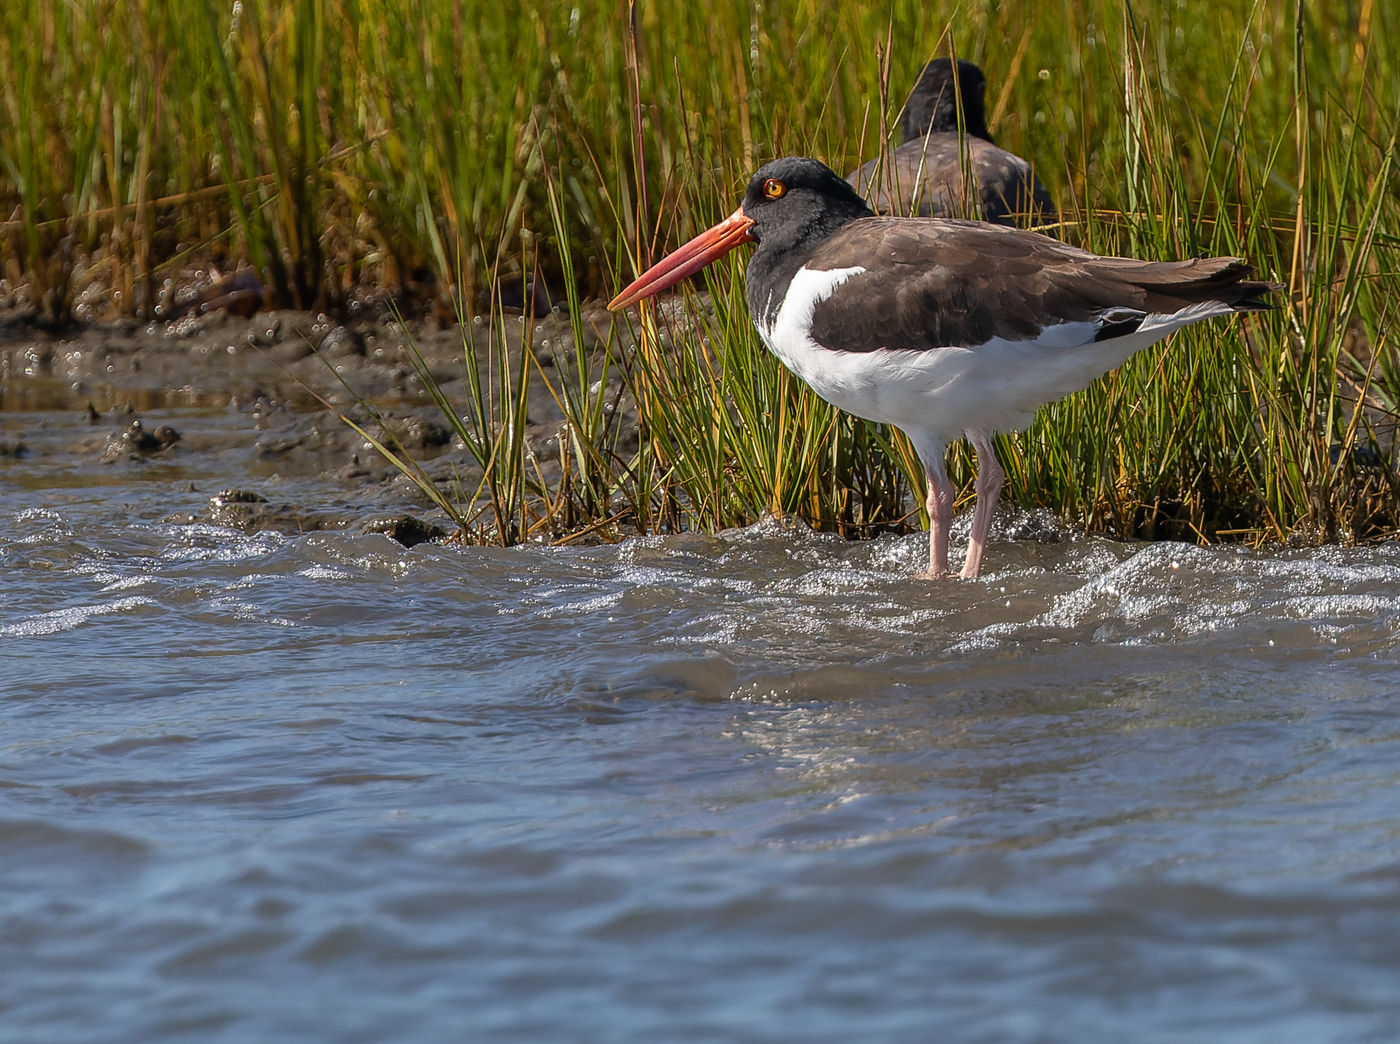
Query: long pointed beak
column 688, row 259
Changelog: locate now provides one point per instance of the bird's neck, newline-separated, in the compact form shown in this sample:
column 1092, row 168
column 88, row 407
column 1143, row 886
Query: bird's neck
column 782, row 251
column 919, row 122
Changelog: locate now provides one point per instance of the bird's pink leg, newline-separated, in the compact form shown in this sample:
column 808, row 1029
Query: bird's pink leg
column 990, row 479
column 940, row 515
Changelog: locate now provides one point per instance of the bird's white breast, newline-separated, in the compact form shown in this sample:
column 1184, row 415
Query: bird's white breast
column 910, row 389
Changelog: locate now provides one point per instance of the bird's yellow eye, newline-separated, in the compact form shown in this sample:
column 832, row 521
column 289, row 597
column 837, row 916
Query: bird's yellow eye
column 774, row 189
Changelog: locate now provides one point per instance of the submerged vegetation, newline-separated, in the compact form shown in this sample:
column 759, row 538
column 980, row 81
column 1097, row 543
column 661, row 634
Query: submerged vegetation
column 337, row 146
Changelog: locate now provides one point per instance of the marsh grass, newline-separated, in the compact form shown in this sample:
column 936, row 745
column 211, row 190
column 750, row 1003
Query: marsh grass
column 335, row 145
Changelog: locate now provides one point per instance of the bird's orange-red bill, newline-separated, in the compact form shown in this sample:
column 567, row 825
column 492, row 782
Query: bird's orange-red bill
column 686, row 260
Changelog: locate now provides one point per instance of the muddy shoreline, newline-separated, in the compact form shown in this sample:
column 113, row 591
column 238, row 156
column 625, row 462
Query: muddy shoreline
column 249, row 406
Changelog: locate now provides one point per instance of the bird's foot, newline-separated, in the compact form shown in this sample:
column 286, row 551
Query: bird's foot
column 929, row 574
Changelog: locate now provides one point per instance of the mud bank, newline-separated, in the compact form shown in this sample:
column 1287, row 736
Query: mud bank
column 250, row 408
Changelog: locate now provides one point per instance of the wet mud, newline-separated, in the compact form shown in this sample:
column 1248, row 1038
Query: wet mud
column 253, row 408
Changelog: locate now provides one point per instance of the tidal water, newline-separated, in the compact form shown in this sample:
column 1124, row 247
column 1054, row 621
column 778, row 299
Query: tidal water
column 762, row 786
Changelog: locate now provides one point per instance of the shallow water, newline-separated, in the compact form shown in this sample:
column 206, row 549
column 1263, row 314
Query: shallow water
column 759, row 786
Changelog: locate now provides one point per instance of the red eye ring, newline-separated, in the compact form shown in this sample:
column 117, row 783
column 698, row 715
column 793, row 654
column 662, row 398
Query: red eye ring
column 774, row 189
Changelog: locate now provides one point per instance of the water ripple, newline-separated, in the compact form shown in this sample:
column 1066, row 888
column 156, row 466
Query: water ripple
column 760, row 785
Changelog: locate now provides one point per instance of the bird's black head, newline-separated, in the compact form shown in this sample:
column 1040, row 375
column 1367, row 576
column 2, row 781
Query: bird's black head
column 795, row 199
column 790, row 209
column 795, row 204
column 933, row 103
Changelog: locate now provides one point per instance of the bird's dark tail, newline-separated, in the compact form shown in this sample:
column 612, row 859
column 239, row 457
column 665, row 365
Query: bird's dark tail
column 1171, row 285
column 1256, row 295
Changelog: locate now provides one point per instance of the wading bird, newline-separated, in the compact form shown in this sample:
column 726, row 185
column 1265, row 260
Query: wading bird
column 942, row 327
column 925, row 176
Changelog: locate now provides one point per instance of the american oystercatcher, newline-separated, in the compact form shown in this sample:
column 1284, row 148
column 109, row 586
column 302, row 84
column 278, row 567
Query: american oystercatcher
column 939, row 326
column 924, row 176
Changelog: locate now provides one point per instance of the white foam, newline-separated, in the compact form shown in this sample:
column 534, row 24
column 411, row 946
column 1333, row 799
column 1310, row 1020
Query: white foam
column 58, row 621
